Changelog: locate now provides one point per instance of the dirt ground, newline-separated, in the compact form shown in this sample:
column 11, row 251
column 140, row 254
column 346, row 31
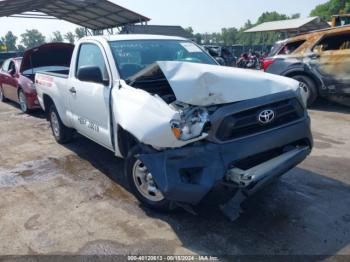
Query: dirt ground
column 70, row 200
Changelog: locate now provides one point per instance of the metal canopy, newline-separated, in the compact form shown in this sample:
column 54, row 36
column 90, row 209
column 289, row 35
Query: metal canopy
column 295, row 26
column 91, row 14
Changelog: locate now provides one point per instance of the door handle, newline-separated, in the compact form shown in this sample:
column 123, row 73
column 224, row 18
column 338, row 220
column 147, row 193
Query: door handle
column 72, row 90
column 314, row 56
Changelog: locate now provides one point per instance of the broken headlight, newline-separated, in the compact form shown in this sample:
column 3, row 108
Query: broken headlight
column 303, row 94
column 191, row 124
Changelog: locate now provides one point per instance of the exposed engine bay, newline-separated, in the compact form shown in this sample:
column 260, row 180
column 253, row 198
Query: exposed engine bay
column 152, row 80
column 192, row 121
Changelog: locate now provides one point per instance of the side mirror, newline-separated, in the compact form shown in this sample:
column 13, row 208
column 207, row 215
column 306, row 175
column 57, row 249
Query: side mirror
column 91, row 74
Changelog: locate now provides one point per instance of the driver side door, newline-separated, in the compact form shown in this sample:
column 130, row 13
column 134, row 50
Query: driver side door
column 90, row 101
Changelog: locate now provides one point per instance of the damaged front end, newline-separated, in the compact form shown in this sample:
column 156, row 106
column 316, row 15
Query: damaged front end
column 192, row 122
column 213, row 135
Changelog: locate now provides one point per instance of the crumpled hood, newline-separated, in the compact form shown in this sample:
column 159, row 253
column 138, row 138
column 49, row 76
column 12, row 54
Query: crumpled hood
column 204, row 85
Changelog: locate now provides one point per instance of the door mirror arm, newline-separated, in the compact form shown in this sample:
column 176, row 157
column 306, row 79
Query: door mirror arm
column 106, row 82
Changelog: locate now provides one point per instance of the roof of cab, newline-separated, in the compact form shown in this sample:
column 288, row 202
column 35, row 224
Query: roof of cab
column 124, row 37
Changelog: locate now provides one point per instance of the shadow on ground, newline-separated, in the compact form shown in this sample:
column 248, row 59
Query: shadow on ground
column 38, row 113
column 304, row 213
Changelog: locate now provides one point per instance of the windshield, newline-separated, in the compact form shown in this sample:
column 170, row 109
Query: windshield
column 133, row 56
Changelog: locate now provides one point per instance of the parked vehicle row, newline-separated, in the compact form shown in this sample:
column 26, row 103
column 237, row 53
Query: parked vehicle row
column 222, row 55
column 181, row 122
column 17, row 74
column 320, row 60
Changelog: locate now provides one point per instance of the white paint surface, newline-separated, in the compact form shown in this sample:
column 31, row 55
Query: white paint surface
column 204, row 85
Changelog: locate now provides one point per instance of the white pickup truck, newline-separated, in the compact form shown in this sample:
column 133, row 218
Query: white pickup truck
column 182, row 122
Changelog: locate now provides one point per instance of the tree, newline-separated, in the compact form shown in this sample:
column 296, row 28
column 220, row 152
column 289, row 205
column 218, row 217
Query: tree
column 271, row 16
column 229, row 36
column 9, row 40
column 21, row 48
column 295, row 16
column 198, row 38
column 70, row 37
column 2, row 46
column 57, row 37
column 32, row 38
column 80, row 32
column 332, row 7
column 190, row 30
column 347, row 8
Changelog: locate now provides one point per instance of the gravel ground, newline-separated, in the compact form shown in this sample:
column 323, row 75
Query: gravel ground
column 70, row 200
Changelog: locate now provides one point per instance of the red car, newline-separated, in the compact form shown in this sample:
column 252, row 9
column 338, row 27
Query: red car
column 17, row 74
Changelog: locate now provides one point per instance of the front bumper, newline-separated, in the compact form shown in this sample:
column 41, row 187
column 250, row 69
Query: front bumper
column 32, row 101
column 187, row 174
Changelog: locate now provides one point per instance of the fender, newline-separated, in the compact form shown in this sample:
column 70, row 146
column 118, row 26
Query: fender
column 304, row 70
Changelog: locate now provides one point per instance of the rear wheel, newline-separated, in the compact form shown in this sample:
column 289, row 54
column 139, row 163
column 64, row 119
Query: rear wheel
column 61, row 133
column 2, row 96
column 142, row 184
column 310, row 87
column 22, row 101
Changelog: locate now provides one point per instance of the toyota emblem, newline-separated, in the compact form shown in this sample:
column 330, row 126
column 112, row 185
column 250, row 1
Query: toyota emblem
column 266, row 117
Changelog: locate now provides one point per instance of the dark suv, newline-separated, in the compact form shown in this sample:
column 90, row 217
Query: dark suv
column 321, row 62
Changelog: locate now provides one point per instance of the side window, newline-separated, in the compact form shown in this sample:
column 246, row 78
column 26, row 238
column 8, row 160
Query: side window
column 5, row 66
column 291, row 47
column 12, row 67
column 91, row 55
column 334, row 42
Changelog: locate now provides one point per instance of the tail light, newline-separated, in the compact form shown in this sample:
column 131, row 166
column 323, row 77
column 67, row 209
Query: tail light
column 268, row 62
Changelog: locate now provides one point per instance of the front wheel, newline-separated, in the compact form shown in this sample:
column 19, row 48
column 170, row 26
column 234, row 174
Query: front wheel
column 2, row 97
column 142, row 184
column 23, row 101
column 61, row 133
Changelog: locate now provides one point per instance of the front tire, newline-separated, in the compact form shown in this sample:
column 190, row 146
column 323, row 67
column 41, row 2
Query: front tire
column 62, row 134
column 310, row 87
column 2, row 96
column 142, row 184
column 23, row 101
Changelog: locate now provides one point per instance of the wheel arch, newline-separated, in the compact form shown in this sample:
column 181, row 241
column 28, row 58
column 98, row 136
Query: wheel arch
column 301, row 72
column 48, row 102
column 19, row 89
column 126, row 141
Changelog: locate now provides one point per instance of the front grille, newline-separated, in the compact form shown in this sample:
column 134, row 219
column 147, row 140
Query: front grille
column 247, row 122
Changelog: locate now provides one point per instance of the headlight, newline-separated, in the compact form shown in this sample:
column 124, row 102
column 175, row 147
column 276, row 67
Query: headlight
column 191, row 124
column 303, row 94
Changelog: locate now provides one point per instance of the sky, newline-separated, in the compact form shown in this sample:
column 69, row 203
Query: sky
column 205, row 16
